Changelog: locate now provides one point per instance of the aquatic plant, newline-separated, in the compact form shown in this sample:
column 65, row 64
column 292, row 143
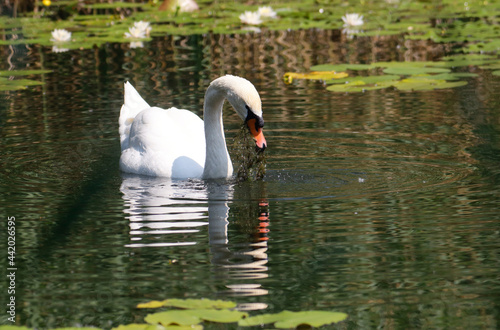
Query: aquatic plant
column 140, row 30
column 60, row 35
column 182, row 6
column 405, row 76
column 192, row 313
column 250, row 18
column 352, row 20
column 267, row 12
column 135, row 33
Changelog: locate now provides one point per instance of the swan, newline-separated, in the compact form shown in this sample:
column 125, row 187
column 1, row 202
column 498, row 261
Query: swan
column 178, row 144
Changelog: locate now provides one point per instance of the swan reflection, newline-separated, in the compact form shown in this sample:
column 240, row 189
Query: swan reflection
column 163, row 212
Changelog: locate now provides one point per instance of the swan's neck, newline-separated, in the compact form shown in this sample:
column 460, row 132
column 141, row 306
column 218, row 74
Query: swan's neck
column 217, row 161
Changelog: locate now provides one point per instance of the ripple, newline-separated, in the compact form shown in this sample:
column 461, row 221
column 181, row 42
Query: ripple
column 333, row 165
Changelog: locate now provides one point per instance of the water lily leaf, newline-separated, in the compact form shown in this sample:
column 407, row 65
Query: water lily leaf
column 179, row 317
column 16, row 84
column 314, row 75
column 364, row 79
column 451, row 76
column 410, row 70
column 135, row 326
column 395, row 64
column 220, row 315
column 152, row 304
column 16, row 73
column 491, row 66
column 77, row 328
column 287, row 319
column 195, row 316
column 496, row 73
column 422, row 84
column 354, row 88
column 189, row 304
column 114, row 5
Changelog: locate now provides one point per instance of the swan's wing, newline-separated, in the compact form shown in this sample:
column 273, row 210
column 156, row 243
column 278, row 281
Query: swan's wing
column 132, row 105
column 168, row 143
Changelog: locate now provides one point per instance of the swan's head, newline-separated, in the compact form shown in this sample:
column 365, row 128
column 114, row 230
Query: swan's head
column 246, row 101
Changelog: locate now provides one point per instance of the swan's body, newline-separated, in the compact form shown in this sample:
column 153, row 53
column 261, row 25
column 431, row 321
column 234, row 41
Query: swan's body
column 178, row 144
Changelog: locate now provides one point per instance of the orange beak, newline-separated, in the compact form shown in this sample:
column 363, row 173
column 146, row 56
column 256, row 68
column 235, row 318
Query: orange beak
column 260, row 140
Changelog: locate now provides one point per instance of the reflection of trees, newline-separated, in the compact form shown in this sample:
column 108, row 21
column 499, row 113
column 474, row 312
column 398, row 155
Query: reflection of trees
column 60, row 142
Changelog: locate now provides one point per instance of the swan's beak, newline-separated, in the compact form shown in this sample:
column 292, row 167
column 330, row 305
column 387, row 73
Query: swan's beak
column 258, row 135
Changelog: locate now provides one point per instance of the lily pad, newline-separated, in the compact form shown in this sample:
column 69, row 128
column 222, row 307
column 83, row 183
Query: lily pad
column 136, row 326
column 17, row 84
column 16, row 73
column 189, row 304
column 77, row 328
column 287, row 319
column 410, row 70
column 195, row 316
column 365, row 80
column 422, row 84
column 314, row 75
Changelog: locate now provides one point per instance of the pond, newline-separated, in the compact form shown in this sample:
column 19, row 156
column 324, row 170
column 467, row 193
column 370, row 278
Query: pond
column 380, row 204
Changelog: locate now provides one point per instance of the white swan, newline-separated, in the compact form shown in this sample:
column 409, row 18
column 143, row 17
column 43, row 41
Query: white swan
column 178, row 144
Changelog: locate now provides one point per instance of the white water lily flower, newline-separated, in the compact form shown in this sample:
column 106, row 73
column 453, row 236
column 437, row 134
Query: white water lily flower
column 144, row 26
column 60, row 35
column 135, row 33
column 267, row 12
column 251, row 18
column 351, row 20
column 187, row 6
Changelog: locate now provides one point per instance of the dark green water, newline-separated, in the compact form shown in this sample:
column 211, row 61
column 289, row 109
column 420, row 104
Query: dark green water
column 383, row 205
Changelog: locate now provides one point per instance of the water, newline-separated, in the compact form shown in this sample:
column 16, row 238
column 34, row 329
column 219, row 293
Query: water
column 383, row 205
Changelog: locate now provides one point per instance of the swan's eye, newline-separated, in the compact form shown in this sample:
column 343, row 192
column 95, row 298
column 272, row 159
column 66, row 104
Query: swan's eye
column 259, row 121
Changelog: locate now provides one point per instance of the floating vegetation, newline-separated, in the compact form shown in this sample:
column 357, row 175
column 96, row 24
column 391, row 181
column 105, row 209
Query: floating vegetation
column 198, row 310
column 193, row 312
column 250, row 164
column 315, row 75
column 292, row 320
column 9, row 84
column 404, row 76
column 189, row 303
column 471, row 25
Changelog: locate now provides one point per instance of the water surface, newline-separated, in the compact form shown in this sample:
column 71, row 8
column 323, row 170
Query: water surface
column 383, row 205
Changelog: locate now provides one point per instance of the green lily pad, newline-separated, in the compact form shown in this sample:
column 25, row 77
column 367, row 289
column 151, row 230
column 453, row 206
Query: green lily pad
column 365, row 80
column 135, row 326
column 314, row 75
column 355, row 88
column 410, row 70
column 423, row 84
column 16, row 73
column 189, row 304
column 114, row 5
column 496, row 73
column 287, row 319
column 194, row 316
column 77, row 328
column 17, row 84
